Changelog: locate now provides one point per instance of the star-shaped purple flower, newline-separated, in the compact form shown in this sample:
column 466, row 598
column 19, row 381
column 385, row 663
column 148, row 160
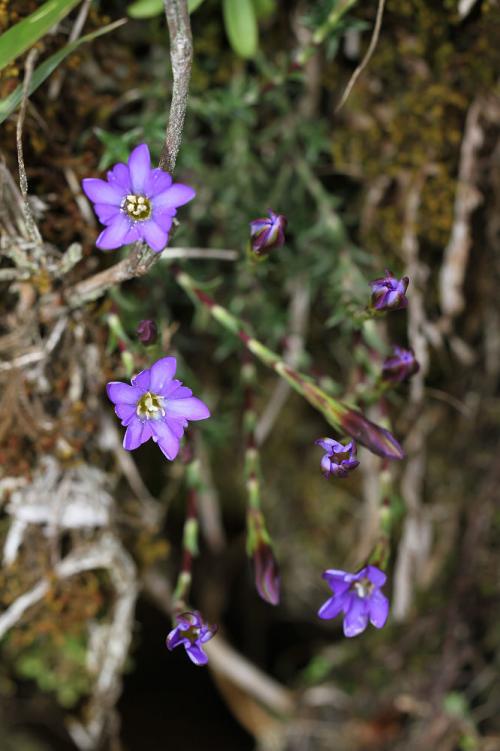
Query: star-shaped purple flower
column 388, row 293
column 400, row 366
column 191, row 632
column 136, row 202
column 268, row 233
column 156, row 406
column 358, row 596
column 339, row 460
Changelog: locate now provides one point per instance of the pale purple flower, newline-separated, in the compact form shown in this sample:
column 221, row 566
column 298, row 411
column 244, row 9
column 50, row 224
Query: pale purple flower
column 358, row 597
column 156, row 406
column 400, row 366
column 136, row 202
column 191, row 632
column 268, row 233
column 339, row 460
column 147, row 331
column 388, row 293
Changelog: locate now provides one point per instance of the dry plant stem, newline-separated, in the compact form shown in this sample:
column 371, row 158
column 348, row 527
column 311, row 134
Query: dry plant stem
column 142, row 258
column 227, row 661
column 367, row 57
column 466, row 200
column 416, row 539
column 57, row 81
column 181, row 55
column 23, row 180
column 299, row 316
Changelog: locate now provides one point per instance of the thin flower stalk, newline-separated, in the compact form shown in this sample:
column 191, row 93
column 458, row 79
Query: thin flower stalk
column 189, row 539
column 259, row 542
column 343, row 418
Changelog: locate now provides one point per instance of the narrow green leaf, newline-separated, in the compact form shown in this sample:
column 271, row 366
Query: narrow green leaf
column 241, row 27
column 152, row 8
column 10, row 103
column 28, row 31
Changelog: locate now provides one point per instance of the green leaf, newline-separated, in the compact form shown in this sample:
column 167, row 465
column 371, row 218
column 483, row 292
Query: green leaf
column 241, row 27
column 10, row 103
column 264, row 8
column 28, row 31
column 152, row 8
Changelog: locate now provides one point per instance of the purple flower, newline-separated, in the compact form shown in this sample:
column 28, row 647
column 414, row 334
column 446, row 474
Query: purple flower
column 191, row 632
column 339, row 460
column 147, row 331
column 136, row 202
column 268, row 233
column 400, row 366
column 388, row 293
column 156, row 406
column 358, row 596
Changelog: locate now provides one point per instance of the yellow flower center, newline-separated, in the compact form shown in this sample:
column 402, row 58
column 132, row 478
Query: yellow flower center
column 138, row 208
column 150, row 406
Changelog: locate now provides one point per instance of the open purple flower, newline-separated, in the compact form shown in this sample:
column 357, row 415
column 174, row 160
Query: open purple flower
column 136, row 202
column 358, row 596
column 339, row 460
column 156, row 406
column 400, row 366
column 388, row 293
column 267, row 233
column 191, row 632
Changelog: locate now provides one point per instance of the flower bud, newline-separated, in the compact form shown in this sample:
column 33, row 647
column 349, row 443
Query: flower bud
column 388, row 293
column 379, row 440
column 147, row 331
column 266, row 573
column 400, row 366
column 267, row 233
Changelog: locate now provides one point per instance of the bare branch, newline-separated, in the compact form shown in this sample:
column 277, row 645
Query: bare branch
column 181, row 55
column 366, row 59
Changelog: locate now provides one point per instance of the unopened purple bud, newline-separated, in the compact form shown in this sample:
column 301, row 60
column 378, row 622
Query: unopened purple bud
column 400, row 366
column 147, row 331
column 267, row 233
column 379, row 440
column 266, row 572
column 339, row 460
column 388, row 293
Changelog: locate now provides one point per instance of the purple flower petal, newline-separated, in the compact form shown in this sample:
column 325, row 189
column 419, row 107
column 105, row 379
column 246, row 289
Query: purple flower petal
column 139, row 164
column 326, row 465
column 165, row 438
column 120, row 175
column 375, row 575
column 196, row 654
column 114, row 235
column 176, row 426
column 332, row 607
column 177, row 195
column 356, row 617
column 120, row 392
column 176, row 637
column 162, row 373
column 164, row 221
column 99, row 191
column 378, row 608
column 126, row 412
column 138, row 432
column 142, row 380
column 176, row 390
column 132, row 235
column 191, row 408
column 106, row 212
column 154, row 235
column 157, row 182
